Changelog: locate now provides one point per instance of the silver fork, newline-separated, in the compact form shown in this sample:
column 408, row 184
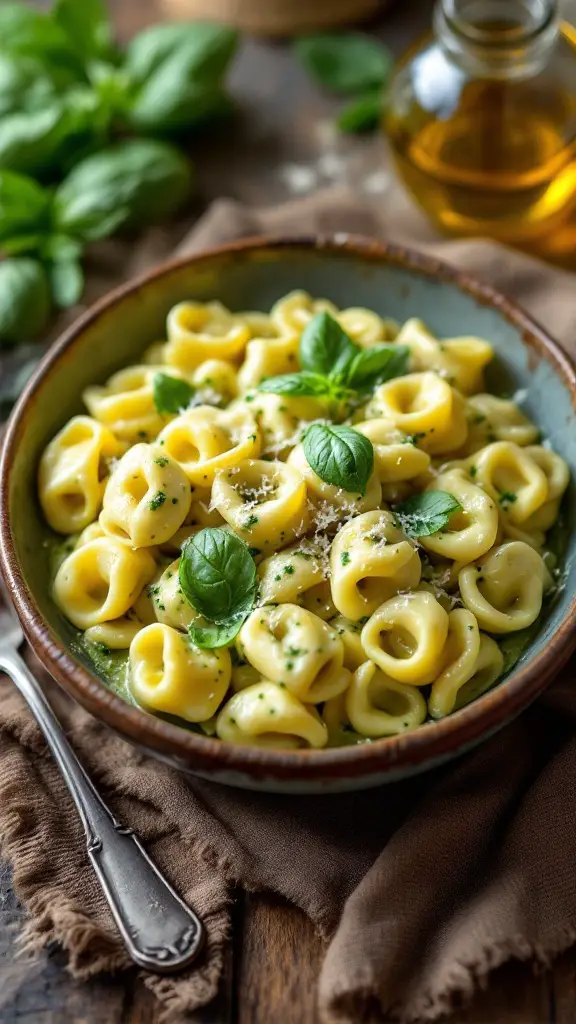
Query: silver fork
column 161, row 933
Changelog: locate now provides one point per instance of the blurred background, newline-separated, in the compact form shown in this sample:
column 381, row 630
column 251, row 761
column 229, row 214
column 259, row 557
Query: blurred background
column 121, row 122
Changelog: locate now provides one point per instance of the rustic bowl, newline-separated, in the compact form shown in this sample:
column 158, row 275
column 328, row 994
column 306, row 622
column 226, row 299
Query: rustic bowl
column 253, row 274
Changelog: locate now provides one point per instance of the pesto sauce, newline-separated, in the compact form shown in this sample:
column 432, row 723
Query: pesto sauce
column 110, row 666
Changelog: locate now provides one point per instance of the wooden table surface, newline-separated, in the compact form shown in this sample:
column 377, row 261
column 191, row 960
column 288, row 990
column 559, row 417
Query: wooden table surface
column 282, row 144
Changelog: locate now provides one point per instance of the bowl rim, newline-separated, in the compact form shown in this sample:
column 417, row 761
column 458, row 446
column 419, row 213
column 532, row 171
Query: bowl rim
column 431, row 742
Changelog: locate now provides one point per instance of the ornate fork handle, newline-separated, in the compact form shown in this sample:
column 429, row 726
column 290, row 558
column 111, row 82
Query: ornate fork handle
column 161, row 933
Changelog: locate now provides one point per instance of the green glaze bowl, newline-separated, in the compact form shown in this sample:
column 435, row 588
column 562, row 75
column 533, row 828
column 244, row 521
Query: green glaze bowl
column 253, row 275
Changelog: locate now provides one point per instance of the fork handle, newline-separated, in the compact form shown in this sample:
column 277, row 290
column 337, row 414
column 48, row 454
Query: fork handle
column 161, row 933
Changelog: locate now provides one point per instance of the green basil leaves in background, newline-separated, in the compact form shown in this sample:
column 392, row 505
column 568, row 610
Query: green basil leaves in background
column 177, row 71
column 171, row 394
column 86, row 23
column 24, row 299
column 67, row 96
column 25, row 32
column 349, row 64
column 218, row 578
column 362, row 114
column 41, row 141
column 24, row 207
column 24, row 85
column 427, row 513
column 335, row 368
column 345, row 63
column 66, row 281
column 340, row 456
column 136, row 182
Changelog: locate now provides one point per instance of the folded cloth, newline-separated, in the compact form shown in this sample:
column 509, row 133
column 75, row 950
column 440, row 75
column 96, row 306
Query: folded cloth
column 421, row 888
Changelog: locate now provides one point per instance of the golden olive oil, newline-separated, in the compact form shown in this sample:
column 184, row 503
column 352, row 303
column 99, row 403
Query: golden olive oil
column 483, row 127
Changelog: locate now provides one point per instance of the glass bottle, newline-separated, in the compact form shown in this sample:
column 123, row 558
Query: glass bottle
column 482, row 119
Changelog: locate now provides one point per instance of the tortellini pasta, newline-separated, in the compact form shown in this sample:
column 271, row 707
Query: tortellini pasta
column 205, row 440
column 472, row 530
column 73, row 472
column 265, row 502
column 198, row 331
column 460, row 361
column 406, row 636
column 380, row 706
column 505, row 589
column 294, row 648
column 364, row 616
column 125, row 404
column 101, row 580
column 263, row 715
column 147, row 497
column 371, row 559
column 424, row 406
column 169, row 674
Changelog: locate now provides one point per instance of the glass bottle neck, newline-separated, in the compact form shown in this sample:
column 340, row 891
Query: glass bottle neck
column 502, row 39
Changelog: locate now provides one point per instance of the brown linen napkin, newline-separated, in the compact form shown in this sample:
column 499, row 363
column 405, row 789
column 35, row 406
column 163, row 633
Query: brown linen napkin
column 421, row 888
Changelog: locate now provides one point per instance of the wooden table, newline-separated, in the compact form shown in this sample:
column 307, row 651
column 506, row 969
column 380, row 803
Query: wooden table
column 282, row 144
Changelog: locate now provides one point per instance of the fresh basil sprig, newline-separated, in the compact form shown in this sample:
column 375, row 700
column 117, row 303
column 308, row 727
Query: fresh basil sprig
column 340, row 456
column 218, row 578
column 297, row 384
column 426, row 513
column 325, row 347
column 66, row 94
column 334, row 367
column 171, row 394
column 350, row 64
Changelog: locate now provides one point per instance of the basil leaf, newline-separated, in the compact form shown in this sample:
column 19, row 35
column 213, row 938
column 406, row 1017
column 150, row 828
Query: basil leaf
column 24, row 300
column 324, row 347
column 171, row 394
column 26, row 32
column 377, row 364
column 18, row 245
column 24, row 85
column 137, row 182
column 297, row 384
column 86, row 24
column 61, row 247
column 345, row 63
column 218, row 575
column 177, row 70
column 362, row 114
column 67, row 282
column 217, row 635
column 340, row 456
column 424, row 514
column 40, row 142
column 24, row 205
column 213, row 45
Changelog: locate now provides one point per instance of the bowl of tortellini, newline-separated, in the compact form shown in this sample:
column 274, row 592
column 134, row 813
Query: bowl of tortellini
column 293, row 514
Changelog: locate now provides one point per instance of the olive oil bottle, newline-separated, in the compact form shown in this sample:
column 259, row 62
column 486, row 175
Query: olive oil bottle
column 481, row 118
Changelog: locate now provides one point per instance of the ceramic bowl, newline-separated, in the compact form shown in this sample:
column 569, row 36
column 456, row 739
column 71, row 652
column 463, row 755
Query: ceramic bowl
column 252, row 275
